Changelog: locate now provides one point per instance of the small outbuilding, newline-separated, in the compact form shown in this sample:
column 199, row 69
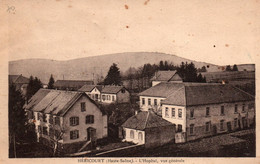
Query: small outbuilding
column 148, row 128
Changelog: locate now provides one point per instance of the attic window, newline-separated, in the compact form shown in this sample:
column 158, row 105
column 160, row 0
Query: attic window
column 123, row 90
column 83, row 106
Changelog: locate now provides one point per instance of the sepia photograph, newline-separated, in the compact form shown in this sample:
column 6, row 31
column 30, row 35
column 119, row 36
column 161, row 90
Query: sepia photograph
column 131, row 80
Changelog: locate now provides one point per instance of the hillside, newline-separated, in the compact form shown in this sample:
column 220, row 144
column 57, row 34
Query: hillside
column 85, row 68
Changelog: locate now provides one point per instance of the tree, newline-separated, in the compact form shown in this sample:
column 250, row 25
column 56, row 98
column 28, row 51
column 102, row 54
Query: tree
column 235, row 68
column 228, row 68
column 113, row 76
column 17, row 119
column 202, row 69
column 51, row 82
column 34, row 85
column 201, row 79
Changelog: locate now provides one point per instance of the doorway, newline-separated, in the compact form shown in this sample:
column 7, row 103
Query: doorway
column 91, row 134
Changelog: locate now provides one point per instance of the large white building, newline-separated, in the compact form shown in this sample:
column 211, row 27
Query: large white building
column 201, row 109
column 69, row 118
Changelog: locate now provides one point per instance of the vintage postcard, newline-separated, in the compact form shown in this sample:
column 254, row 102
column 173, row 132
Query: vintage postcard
column 119, row 81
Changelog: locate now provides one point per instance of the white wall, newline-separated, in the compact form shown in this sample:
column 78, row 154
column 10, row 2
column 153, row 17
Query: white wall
column 135, row 139
column 145, row 107
column 108, row 100
column 175, row 120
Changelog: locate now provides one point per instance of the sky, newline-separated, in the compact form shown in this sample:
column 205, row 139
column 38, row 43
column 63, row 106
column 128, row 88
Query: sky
column 214, row 31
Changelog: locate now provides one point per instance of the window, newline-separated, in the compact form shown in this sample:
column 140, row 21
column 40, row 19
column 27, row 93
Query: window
column 149, row 101
column 207, row 126
column 103, row 97
column 123, row 90
column 207, row 111
column 83, row 106
column 222, row 125
column 235, row 122
column 235, row 108
column 166, row 112
column 140, row 136
column 192, row 113
column 74, row 121
column 222, row 112
column 132, row 134
column 44, row 118
column 113, row 98
column 180, row 113
column 155, row 101
column 89, row 119
column 192, row 129
column 161, row 102
column 143, row 101
column 243, row 108
column 51, row 119
column 179, row 128
column 173, row 112
column 57, row 120
column 44, row 131
column 39, row 129
column 74, row 134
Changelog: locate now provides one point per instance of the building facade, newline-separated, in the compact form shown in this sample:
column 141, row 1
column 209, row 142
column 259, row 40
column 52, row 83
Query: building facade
column 107, row 94
column 149, row 129
column 67, row 118
column 200, row 110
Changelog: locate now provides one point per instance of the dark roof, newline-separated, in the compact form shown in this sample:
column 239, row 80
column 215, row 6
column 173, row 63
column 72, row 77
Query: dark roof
column 144, row 120
column 111, row 89
column 18, row 79
column 56, row 102
column 72, row 83
column 166, row 76
column 228, row 75
column 201, row 94
column 89, row 88
column 163, row 89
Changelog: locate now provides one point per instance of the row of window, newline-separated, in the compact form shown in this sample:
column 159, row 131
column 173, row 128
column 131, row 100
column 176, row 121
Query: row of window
column 75, row 120
column 149, row 102
column 140, row 135
column 108, row 97
column 74, row 134
column 55, row 120
column 221, row 125
column 222, row 110
column 173, row 112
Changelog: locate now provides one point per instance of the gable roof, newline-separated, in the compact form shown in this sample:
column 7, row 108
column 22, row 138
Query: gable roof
column 89, row 88
column 163, row 89
column 18, row 79
column 204, row 93
column 55, row 102
column 166, row 76
column 72, row 83
column 144, row 120
column 111, row 89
